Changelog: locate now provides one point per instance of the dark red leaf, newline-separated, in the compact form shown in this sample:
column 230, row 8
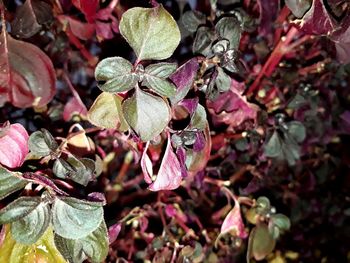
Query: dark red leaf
column 29, row 17
column 88, row 8
column 83, row 31
column 27, row 76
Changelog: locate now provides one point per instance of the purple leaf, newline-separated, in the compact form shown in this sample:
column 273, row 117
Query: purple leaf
column 232, row 107
column 268, row 14
column 233, row 223
column 169, row 176
column 44, row 181
column 13, row 145
column 74, row 107
column 199, row 143
column 190, row 105
column 184, row 78
column 181, row 155
column 317, row 20
column 97, row 197
column 113, row 232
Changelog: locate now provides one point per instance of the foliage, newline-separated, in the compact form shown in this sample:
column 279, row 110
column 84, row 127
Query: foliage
column 174, row 131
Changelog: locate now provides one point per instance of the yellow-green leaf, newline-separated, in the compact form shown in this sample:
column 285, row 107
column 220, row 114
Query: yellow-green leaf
column 151, row 32
column 106, row 112
column 44, row 250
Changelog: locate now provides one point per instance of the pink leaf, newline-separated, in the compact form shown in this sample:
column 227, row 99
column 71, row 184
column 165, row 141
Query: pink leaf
column 113, row 232
column 74, row 107
column 169, row 176
column 232, row 107
column 83, row 31
column 13, row 145
column 233, row 223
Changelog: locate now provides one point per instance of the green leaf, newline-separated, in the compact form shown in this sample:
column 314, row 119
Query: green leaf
column 18, row 209
column 263, row 205
column 230, row 29
column 203, row 41
column 9, row 183
column 28, row 229
column 155, row 78
column 297, row 131
column 223, row 81
column 281, row 221
column 146, row 114
column 73, row 218
column 106, row 112
column 93, row 247
column 44, row 250
column 273, row 148
column 192, row 20
column 115, row 75
column 260, row 243
column 199, row 118
column 42, row 143
column 80, row 170
column 151, row 32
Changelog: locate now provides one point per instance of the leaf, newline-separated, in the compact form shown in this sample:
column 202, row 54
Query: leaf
column 232, row 107
column 223, row 81
column 106, row 112
column 113, row 232
column 184, row 78
column 268, row 13
column 80, row 170
column 203, row 41
column 155, row 78
column 192, row 20
column 260, row 242
column 115, row 74
column 13, row 145
column 169, row 176
column 299, row 7
column 229, row 28
column 9, row 183
column 18, row 209
column 73, row 108
column 29, row 17
column 273, row 148
column 317, row 20
column 81, row 30
column 87, row 7
column 93, row 247
column 42, row 143
column 297, row 131
column 281, row 221
column 199, row 119
column 44, row 181
column 233, row 223
column 146, row 114
column 44, row 250
column 28, row 230
column 27, row 76
column 145, row 28
column 73, row 218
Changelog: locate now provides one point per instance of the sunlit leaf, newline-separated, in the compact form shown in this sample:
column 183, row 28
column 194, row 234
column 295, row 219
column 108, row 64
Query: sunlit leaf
column 106, row 112
column 28, row 229
column 19, row 208
column 260, row 242
column 13, row 145
column 146, row 28
column 146, row 114
column 44, row 250
column 115, row 74
column 155, row 78
column 73, row 218
column 93, row 247
column 9, row 183
column 42, row 143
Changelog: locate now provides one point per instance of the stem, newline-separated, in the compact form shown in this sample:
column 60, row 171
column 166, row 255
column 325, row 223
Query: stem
column 274, row 59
